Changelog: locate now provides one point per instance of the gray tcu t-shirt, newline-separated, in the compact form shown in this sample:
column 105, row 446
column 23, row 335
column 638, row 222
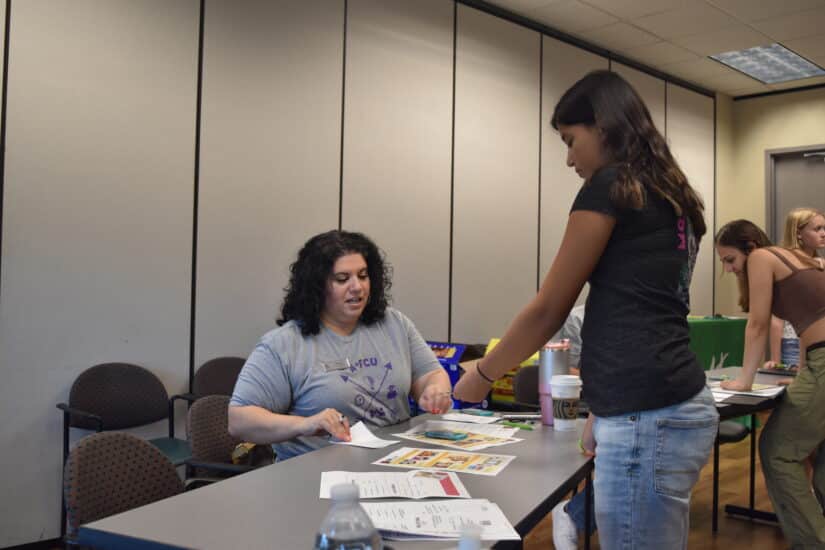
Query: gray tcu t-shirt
column 366, row 375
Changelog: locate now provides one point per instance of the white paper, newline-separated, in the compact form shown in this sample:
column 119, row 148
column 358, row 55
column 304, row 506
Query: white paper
column 363, row 437
column 452, row 461
column 470, row 418
column 758, row 390
column 415, row 485
column 439, row 519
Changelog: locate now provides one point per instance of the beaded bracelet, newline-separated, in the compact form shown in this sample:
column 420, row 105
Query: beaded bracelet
column 481, row 374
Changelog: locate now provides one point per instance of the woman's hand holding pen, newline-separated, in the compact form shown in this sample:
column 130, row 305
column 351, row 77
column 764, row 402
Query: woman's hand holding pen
column 328, row 421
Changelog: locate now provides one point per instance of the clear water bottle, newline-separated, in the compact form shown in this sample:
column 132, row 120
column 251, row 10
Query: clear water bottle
column 470, row 538
column 347, row 526
column 789, row 347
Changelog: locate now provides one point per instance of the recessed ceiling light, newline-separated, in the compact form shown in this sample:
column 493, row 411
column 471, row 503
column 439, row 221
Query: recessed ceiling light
column 770, row 64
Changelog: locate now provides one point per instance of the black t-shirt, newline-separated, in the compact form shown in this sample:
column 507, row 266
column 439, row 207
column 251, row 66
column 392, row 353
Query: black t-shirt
column 635, row 340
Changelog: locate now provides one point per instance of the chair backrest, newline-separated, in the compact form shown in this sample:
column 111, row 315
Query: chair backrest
column 122, row 394
column 217, row 376
column 111, row 472
column 526, row 385
column 207, row 426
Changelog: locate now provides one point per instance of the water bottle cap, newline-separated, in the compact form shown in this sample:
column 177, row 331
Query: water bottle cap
column 470, row 537
column 344, row 492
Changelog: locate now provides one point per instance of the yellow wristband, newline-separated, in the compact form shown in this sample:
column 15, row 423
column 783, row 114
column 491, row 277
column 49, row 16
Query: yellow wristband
column 581, row 446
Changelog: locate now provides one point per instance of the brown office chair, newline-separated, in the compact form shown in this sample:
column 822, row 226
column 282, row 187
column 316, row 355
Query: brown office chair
column 117, row 396
column 217, row 376
column 526, row 387
column 111, row 472
column 211, row 443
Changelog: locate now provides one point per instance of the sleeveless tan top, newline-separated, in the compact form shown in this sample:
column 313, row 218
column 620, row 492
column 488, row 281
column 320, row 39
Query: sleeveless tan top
column 799, row 298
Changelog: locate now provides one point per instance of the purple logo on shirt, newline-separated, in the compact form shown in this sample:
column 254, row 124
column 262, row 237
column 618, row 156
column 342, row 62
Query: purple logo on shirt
column 372, row 392
column 681, row 227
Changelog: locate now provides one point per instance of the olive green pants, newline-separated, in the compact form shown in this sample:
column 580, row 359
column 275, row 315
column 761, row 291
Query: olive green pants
column 795, row 429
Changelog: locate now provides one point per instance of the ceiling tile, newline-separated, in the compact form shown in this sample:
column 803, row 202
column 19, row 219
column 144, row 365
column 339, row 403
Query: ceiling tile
column 696, row 69
column 694, row 18
column 798, row 83
column 660, row 53
column 521, row 6
column 725, row 40
column 632, row 9
column 808, row 46
column 748, row 10
column 732, row 80
column 619, row 36
column 756, row 89
column 798, row 25
column 571, row 16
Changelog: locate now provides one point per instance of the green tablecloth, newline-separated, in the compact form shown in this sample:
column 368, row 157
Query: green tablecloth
column 717, row 341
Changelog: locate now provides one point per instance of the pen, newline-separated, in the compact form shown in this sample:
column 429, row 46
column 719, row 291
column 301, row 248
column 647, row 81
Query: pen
column 512, row 424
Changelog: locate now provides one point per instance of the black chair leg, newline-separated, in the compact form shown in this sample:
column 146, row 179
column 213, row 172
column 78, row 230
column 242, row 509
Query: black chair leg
column 588, row 508
column 753, row 464
column 715, row 520
column 66, row 419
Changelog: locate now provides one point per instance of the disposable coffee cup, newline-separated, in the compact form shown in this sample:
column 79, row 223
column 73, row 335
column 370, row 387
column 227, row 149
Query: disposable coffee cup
column 565, row 390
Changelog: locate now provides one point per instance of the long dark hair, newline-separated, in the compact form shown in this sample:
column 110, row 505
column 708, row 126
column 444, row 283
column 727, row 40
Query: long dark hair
column 306, row 291
column 605, row 100
column 746, row 237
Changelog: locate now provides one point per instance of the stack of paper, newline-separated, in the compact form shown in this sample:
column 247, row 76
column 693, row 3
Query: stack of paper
column 361, row 436
column 439, row 520
column 757, row 390
column 415, row 484
column 470, row 418
column 478, row 436
column 452, row 461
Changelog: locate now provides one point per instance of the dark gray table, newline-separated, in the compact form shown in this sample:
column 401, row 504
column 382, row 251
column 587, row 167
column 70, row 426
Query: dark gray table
column 278, row 506
column 733, row 407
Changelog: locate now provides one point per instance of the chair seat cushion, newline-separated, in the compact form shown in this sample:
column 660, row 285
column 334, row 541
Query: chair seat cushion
column 176, row 450
column 731, row 431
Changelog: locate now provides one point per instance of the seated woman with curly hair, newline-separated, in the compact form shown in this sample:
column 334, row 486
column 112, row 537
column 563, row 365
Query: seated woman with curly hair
column 339, row 355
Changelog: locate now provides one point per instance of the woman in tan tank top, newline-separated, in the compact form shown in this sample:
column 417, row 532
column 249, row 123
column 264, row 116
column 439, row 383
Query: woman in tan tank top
column 790, row 284
column 805, row 232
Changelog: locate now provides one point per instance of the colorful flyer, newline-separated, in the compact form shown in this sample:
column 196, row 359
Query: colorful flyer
column 416, row 484
column 451, row 461
column 467, row 437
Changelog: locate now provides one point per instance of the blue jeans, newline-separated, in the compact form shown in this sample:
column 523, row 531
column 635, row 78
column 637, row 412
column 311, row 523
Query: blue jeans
column 646, row 465
column 575, row 509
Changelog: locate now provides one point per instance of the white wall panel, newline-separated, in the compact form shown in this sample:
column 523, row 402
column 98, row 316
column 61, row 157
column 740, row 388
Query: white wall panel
column 690, row 135
column 97, row 225
column 397, row 146
column 497, row 124
column 564, row 65
column 270, row 159
column 651, row 89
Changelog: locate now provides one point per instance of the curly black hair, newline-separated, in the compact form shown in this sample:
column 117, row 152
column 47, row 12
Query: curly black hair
column 306, row 291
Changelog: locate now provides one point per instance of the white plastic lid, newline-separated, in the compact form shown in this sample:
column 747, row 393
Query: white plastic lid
column 344, row 492
column 470, row 537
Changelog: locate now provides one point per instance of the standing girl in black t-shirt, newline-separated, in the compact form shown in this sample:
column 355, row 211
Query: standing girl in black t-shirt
column 633, row 234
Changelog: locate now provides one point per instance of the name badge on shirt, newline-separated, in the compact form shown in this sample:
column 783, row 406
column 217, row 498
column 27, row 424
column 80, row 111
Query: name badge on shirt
column 335, row 365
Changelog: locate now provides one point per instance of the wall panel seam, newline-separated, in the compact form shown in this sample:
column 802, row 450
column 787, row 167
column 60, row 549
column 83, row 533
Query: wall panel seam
column 3, row 105
column 452, row 183
column 195, row 195
column 343, row 112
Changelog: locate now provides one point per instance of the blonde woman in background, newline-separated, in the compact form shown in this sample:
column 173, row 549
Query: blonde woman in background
column 805, row 232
